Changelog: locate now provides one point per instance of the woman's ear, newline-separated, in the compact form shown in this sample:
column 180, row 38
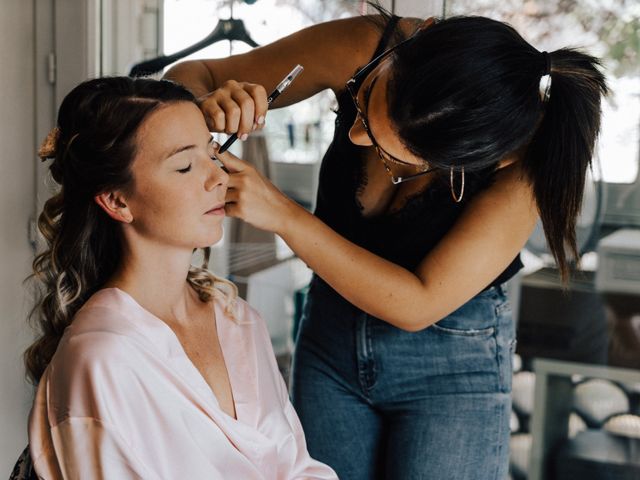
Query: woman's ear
column 114, row 205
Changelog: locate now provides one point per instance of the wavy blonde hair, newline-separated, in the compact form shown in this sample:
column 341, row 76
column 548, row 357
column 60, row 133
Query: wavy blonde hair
column 92, row 149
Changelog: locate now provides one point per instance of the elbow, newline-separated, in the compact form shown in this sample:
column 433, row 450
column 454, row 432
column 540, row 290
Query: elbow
column 416, row 324
column 413, row 312
column 414, row 327
column 410, row 328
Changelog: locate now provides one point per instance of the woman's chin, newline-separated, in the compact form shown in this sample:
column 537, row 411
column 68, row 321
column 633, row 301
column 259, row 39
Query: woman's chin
column 210, row 240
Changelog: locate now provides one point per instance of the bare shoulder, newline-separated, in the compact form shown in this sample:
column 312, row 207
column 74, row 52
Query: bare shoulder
column 337, row 48
column 330, row 51
column 353, row 42
column 408, row 25
column 512, row 191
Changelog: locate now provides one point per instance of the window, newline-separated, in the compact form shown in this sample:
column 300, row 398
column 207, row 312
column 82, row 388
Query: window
column 299, row 133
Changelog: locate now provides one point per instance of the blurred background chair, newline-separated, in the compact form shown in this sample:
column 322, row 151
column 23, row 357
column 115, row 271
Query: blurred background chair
column 23, row 469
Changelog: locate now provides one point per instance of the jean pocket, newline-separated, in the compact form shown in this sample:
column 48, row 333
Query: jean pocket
column 476, row 318
column 465, row 332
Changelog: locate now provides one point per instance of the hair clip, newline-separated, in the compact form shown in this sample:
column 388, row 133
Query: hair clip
column 49, row 147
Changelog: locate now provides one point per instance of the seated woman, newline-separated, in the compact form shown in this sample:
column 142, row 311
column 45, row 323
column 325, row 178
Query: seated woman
column 147, row 366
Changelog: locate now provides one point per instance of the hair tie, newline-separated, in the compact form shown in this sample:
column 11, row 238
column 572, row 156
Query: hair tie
column 545, row 80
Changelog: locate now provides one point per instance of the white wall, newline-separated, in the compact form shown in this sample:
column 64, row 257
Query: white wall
column 131, row 32
column 17, row 153
column 31, row 30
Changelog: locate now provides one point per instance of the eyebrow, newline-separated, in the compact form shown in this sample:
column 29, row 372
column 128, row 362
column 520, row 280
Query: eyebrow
column 183, row 148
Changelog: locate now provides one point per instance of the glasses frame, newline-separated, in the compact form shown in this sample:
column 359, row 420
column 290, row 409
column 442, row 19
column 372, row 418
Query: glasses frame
column 382, row 154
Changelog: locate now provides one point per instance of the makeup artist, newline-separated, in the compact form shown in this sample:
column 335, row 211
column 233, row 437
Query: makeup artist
column 451, row 139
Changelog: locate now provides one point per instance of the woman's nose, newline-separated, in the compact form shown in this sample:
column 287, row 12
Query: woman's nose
column 358, row 135
column 217, row 177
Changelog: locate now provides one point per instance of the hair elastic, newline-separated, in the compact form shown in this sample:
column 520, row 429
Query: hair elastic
column 545, row 80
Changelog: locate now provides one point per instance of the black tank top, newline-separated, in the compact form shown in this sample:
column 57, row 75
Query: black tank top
column 403, row 237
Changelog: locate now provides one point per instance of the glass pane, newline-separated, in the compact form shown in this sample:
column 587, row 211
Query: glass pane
column 295, row 134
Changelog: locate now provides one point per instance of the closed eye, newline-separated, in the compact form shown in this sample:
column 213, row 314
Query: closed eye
column 185, row 170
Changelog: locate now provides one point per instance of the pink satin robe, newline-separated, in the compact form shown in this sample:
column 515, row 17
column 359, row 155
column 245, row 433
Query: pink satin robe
column 122, row 400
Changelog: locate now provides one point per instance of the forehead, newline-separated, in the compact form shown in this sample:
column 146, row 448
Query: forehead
column 380, row 124
column 170, row 126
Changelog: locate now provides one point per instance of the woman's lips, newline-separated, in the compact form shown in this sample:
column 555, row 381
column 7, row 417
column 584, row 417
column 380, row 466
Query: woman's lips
column 218, row 210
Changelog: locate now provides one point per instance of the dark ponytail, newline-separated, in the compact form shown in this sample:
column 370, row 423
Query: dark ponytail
column 561, row 149
column 465, row 93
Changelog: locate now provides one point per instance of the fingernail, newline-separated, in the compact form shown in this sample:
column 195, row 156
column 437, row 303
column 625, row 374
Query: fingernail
column 244, row 136
column 260, row 119
column 255, row 125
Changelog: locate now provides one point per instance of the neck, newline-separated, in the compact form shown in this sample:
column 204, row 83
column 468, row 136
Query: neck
column 156, row 277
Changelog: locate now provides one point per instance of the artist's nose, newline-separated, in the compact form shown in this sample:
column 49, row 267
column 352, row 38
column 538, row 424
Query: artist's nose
column 358, row 134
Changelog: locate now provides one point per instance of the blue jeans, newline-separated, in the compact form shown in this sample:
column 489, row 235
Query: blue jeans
column 377, row 402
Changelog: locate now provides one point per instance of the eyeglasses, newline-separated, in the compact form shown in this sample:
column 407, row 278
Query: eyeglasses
column 385, row 156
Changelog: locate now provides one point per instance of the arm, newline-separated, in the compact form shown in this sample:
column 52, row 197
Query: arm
column 488, row 235
column 232, row 91
column 321, row 49
column 87, row 448
column 67, row 437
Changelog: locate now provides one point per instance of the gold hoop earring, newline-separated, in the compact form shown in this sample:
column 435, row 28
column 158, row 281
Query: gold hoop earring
column 456, row 199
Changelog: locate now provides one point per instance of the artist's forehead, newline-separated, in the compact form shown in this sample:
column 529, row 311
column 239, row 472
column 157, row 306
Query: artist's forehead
column 379, row 121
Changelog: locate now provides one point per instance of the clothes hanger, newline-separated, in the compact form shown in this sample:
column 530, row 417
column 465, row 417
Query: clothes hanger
column 227, row 29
